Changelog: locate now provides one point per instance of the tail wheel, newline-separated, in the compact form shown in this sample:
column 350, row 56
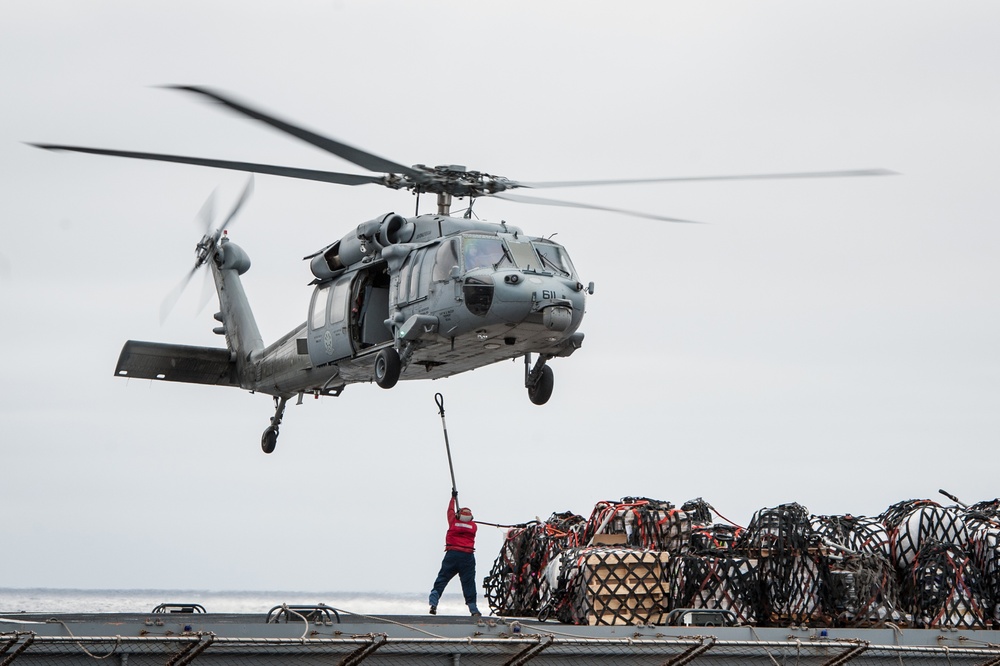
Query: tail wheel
column 387, row 368
column 540, row 392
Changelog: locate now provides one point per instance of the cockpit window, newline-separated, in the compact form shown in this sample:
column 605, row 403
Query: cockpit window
column 554, row 257
column 481, row 252
column 492, row 252
column 524, row 256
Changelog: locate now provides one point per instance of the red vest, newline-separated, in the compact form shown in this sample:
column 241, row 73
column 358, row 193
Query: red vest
column 461, row 536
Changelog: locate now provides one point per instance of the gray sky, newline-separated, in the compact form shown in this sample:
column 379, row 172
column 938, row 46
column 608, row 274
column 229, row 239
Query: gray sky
column 828, row 342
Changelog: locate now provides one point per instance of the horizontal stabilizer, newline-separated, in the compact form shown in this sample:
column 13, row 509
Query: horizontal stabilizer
column 177, row 363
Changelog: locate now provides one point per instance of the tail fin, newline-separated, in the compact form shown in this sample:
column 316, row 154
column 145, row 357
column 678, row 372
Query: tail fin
column 238, row 324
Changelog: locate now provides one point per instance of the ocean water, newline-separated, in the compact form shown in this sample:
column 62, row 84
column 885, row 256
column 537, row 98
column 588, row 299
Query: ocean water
column 49, row 600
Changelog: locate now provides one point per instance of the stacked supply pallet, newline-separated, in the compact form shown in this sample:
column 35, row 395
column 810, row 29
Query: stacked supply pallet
column 645, row 523
column 984, row 549
column 918, row 564
column 607, row 585
column 942, row 587
column 794, row 577
column 721, row 582
column 512, row 588
column 864, row 591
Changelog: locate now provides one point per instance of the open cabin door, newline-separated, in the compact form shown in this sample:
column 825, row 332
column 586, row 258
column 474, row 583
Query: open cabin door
column 347, row 315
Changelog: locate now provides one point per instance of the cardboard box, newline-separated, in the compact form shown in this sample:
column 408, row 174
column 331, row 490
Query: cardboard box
column 610, row 539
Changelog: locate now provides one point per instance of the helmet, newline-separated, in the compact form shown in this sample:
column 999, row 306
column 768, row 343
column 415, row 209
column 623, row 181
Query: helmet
column 465, row 514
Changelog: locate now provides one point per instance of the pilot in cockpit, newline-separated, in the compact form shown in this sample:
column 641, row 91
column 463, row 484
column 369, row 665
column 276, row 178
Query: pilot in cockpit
column 483, row 253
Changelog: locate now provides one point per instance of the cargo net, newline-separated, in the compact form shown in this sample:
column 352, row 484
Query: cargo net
column 783, row 529
column 915, row 522
column 794, row 576
column 604, row 585
column 984, row 549
column 895, row 514
column 511, row 589
column 943, row 588
column 852, row 534
column 864, row 591
column 916, row 564
column 646, row 523
column 718, row 538
column 795, row 588
column 988, row 510
column 716, row 583
column 706, row 537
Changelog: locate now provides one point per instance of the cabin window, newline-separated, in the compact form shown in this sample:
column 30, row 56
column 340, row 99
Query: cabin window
column 317, row 315
column 338, row 301
column 426, row 271
column 414, row 277
column 446, row 259
column 420, row 263
column 406, row 277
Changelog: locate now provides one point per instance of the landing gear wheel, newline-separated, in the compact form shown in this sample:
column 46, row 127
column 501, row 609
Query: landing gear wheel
column 269, row 439
column 387, row 367
column 541, row 391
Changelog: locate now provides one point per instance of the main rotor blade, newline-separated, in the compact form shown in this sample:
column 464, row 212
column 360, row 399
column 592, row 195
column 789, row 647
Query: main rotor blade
column 555, row 202
column 761, row 176
column 253, row 167
column 350, row 153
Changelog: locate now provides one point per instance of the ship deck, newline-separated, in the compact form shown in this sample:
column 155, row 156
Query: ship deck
column 344, row 638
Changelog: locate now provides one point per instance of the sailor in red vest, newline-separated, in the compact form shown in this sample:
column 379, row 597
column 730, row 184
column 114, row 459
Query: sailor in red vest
column 459, row 558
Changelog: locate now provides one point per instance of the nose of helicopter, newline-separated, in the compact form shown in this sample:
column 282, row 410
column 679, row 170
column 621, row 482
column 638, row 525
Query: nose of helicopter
column 555, row 302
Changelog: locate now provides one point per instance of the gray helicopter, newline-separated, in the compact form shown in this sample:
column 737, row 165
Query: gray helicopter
column 398, row 297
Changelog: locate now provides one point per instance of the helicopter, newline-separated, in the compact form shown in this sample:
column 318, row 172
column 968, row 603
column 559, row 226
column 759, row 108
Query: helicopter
column 396, row 298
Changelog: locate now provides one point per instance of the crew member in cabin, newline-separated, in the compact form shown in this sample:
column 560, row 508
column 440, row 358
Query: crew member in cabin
column 459, row 557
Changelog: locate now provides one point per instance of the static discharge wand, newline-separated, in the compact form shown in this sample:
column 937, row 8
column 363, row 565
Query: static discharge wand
column 439, row 399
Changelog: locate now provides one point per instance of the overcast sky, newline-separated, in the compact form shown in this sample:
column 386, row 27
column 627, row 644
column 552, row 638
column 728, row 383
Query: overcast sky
column 827, row 342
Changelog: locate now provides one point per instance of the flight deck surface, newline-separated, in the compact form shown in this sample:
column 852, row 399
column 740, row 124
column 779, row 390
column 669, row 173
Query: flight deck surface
column 345, row 638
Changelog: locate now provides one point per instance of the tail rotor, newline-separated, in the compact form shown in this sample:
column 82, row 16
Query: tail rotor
column 208, row 245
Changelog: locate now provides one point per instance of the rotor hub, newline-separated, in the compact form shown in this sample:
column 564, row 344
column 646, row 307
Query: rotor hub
column 452, row 179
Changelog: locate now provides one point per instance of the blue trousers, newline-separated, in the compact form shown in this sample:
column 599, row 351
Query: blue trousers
column 463, row 564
